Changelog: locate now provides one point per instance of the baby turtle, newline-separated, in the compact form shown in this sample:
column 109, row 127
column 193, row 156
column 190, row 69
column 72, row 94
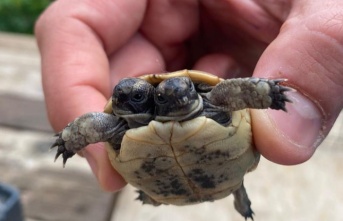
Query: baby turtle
column 179, row 138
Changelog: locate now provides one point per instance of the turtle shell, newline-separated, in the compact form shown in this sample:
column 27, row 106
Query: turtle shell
column 186, row 162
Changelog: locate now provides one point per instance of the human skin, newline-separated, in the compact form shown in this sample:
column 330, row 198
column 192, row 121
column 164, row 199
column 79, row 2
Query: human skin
column 87, row 46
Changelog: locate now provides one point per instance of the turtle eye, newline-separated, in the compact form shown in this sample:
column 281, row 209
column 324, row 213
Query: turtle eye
column 161, row 99
column 137, row 97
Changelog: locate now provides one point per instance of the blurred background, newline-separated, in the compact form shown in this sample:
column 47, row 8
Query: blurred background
column 310, row 191
column 19, row 16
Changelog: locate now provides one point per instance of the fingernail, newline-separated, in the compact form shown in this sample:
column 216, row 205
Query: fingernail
column 302, row 123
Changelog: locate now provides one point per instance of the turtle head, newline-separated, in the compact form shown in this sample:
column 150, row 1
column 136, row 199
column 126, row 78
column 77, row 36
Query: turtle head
column 176, row 99
column 133, row 96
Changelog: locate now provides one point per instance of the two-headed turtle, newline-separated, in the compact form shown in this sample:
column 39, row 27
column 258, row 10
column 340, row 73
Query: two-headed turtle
column 179, row 138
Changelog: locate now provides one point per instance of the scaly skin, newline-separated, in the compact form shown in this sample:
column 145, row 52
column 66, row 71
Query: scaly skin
column 242, row 203
column 89, row 128
column 258, row 93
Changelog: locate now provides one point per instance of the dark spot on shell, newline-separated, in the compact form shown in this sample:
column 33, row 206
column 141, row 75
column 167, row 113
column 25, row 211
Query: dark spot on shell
column 202, row 179
column 137, row 174
column 148, row 167
column 170, row 185
column 213, row 156
column 222, row 178
column 177, row 187
column 196, row 150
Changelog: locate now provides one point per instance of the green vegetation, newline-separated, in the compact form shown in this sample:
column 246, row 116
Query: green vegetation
column 20, row 15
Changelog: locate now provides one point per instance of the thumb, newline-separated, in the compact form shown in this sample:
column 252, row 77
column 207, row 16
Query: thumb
column 308, row 54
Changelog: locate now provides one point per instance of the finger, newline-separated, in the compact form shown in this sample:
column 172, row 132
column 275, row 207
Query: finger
column 168, row 24
column 278, row 9
column 218, row 64
column 109, row 179
column 74, row 39
column 241, row 29
column 245, row 15
column 308, row 52
column 137, row 57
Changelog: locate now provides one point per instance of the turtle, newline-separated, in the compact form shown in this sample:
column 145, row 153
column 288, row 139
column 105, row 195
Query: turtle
column 180, row 138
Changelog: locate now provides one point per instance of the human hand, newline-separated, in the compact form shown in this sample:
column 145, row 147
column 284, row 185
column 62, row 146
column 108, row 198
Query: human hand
column 87, row 46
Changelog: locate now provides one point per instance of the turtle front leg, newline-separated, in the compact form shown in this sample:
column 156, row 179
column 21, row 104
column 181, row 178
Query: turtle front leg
column 89, row 128
column 242, row 203
column 240, row 93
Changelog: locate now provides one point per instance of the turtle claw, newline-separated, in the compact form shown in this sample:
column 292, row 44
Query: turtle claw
column 66, row 155
column 249, row 215
column 57, row 155
column 61, row 150
column 277, row 91
column 58, row 142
